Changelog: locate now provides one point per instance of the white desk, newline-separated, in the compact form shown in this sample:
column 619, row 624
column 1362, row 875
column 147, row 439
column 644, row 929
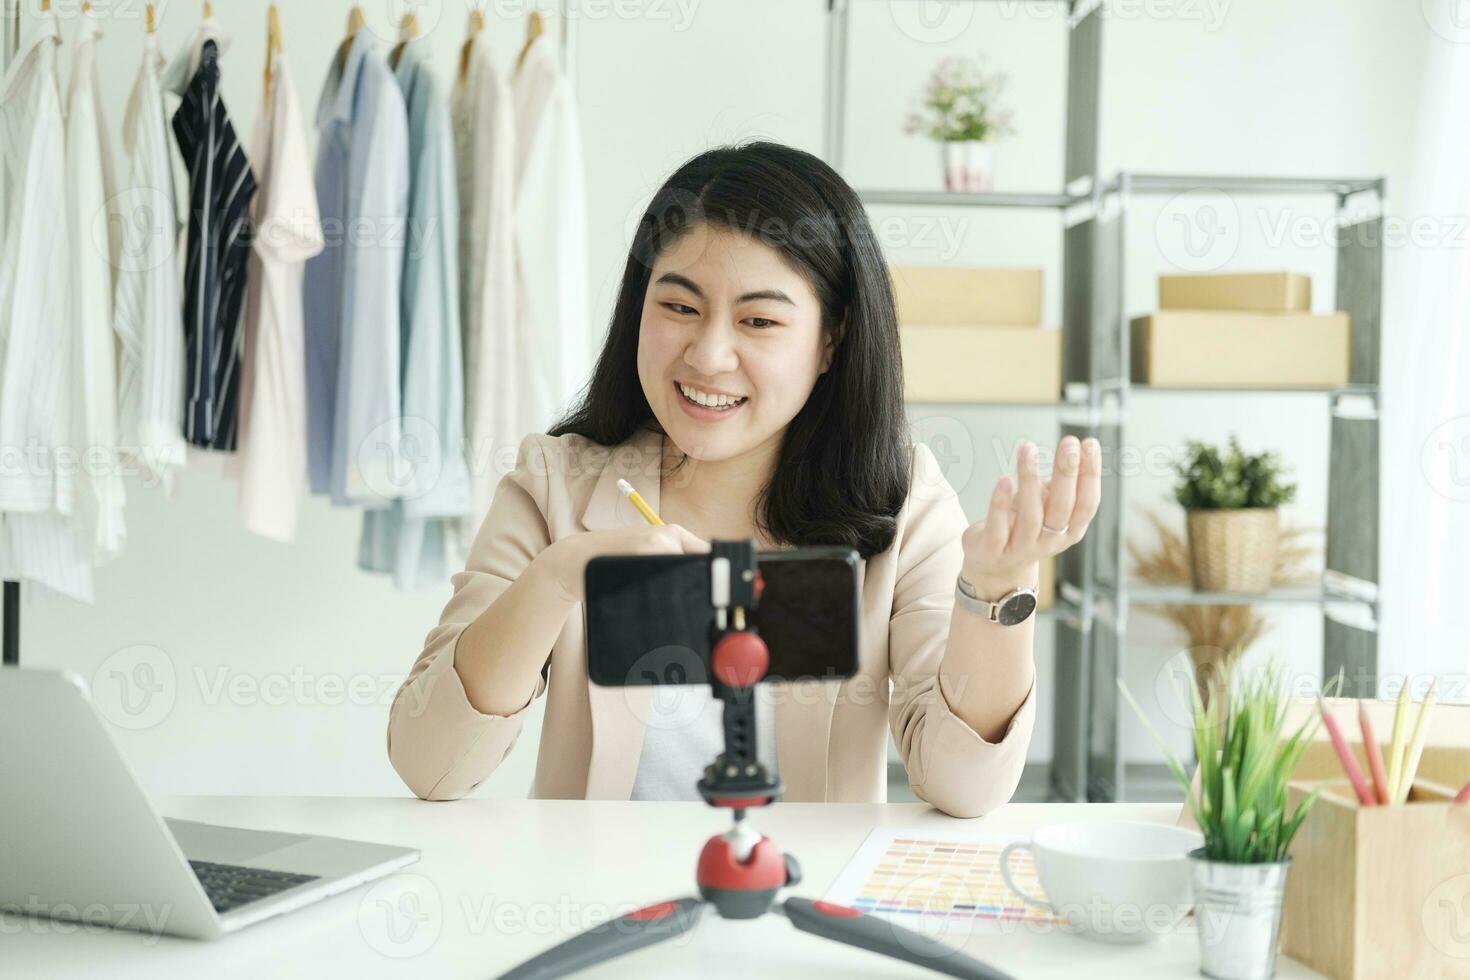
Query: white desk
column 502, row 880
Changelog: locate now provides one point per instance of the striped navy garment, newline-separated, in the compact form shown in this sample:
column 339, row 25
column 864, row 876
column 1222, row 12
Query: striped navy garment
column 220, row 188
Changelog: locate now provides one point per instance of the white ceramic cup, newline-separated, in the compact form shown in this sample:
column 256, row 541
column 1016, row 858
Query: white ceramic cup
column 1113, row 881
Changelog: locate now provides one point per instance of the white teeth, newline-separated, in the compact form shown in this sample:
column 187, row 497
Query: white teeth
column 709, row 401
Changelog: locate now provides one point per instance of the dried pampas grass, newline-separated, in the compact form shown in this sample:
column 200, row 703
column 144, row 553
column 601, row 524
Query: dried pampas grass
column 1216, row 635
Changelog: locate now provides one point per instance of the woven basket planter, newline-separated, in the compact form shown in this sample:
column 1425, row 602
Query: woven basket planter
column 1233, row 550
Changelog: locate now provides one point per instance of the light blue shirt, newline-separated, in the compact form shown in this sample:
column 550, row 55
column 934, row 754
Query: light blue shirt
column 353, row 378
column 412, row 537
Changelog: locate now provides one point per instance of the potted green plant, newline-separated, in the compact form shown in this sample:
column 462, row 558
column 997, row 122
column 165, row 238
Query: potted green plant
column 958, row 109
column 1230, row 501
column 1238, row 801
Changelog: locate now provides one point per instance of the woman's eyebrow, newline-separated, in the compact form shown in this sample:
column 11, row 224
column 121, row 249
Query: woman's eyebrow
column 684, row 282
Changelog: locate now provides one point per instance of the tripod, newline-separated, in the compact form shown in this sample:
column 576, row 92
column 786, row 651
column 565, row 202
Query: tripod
column 740, row 872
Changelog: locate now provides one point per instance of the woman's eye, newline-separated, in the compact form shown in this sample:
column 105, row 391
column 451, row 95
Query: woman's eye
column 681, row 309
column 760, row 322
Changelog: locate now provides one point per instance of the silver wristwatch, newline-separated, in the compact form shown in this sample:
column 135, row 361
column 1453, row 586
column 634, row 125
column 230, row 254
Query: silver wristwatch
column 1011, row 609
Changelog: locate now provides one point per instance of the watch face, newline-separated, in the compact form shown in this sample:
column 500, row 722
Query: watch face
column 1015, row 609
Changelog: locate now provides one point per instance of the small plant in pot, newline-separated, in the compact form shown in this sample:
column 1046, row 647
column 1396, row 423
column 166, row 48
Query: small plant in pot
column 1230, row 501
column 1238, row 800
column 958, row 109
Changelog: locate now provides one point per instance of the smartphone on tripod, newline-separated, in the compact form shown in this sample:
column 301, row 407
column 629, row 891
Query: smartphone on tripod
column 650, row 618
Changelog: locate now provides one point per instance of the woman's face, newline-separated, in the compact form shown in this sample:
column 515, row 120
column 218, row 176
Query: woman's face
column 730, row 343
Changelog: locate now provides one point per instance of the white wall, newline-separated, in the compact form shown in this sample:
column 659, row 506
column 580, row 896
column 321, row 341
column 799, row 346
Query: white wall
column 309, row 649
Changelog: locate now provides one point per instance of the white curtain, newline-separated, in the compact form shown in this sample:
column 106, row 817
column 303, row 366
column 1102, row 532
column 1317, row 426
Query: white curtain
column 1425, row 453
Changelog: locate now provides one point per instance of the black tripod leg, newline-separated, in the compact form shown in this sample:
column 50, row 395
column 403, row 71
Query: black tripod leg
column 845, row 925
column 632, row 932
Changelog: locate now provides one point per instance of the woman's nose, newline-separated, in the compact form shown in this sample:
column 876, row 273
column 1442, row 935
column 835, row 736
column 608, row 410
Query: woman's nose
column 712, row 352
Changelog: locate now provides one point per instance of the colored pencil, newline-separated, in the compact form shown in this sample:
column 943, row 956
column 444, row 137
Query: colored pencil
column 1396, row 744
column 1416, row 744
column 1374, row 754
column 1464, row 794
column 1345, row 756
column 637, row 500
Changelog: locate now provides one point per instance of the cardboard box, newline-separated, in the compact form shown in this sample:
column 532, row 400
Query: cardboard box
column 954, row 295
column 1271, row 292
column 1212, row 349
column 981, row 364
column 1378, row 891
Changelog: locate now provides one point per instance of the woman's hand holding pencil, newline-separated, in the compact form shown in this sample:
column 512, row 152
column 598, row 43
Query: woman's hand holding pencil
column 568, row 557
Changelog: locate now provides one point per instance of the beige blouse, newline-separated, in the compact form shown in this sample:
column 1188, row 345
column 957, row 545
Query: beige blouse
column 830, row 735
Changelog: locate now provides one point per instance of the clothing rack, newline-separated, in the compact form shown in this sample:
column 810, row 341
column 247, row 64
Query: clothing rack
column 10, row 634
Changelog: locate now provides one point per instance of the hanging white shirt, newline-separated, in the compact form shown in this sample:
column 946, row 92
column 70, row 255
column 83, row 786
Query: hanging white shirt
column 271, row 458
column 93, row 239
column 148, row 312
column 38, row 541
column 497, row 413
column 551, row 236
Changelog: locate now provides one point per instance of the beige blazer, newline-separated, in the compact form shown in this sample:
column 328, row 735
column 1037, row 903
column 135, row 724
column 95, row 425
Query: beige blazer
column 831, row 742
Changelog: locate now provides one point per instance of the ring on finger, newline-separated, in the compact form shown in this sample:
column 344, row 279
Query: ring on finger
column 1054, row 530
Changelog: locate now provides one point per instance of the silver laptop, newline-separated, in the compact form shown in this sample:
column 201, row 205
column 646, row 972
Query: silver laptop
column 79, row 840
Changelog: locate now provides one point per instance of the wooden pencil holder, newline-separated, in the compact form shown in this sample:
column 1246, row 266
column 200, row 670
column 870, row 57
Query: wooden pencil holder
column 1379, row 891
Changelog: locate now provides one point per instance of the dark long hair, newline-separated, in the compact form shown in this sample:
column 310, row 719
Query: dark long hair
column 843, row 468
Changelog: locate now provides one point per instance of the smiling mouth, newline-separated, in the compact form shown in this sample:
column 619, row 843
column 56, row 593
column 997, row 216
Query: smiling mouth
column 711, row 403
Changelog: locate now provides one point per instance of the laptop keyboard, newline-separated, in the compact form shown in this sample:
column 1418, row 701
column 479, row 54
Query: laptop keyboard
column 230, row 886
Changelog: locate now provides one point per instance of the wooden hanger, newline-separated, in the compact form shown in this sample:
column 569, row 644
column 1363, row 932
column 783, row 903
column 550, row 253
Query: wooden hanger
column 534, row 29
column 476, row 25
column 45, row 6
column 355, row 20
column 150, row 19
column 408, row 29
column 208, row 10
column 273, row 45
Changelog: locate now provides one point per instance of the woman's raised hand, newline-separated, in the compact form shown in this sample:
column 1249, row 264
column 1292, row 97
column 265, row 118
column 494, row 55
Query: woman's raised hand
column 1036, row 520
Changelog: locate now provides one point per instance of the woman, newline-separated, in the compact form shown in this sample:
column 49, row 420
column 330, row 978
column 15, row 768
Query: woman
column 750, row 387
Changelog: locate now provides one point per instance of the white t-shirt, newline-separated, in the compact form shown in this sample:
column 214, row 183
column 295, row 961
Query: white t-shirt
column 685, row 733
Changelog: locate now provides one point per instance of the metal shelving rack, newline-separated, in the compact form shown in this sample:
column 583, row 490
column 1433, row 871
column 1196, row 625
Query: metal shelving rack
column 1094, row 595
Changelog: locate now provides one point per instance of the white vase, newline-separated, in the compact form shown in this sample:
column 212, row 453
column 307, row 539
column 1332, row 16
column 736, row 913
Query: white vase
column 969, row 165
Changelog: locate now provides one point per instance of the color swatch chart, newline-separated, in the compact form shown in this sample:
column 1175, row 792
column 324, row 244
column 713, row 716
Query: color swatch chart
column 933, row 878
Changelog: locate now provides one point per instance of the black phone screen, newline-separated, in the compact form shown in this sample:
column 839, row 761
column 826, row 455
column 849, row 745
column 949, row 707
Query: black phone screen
column 649, row 619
